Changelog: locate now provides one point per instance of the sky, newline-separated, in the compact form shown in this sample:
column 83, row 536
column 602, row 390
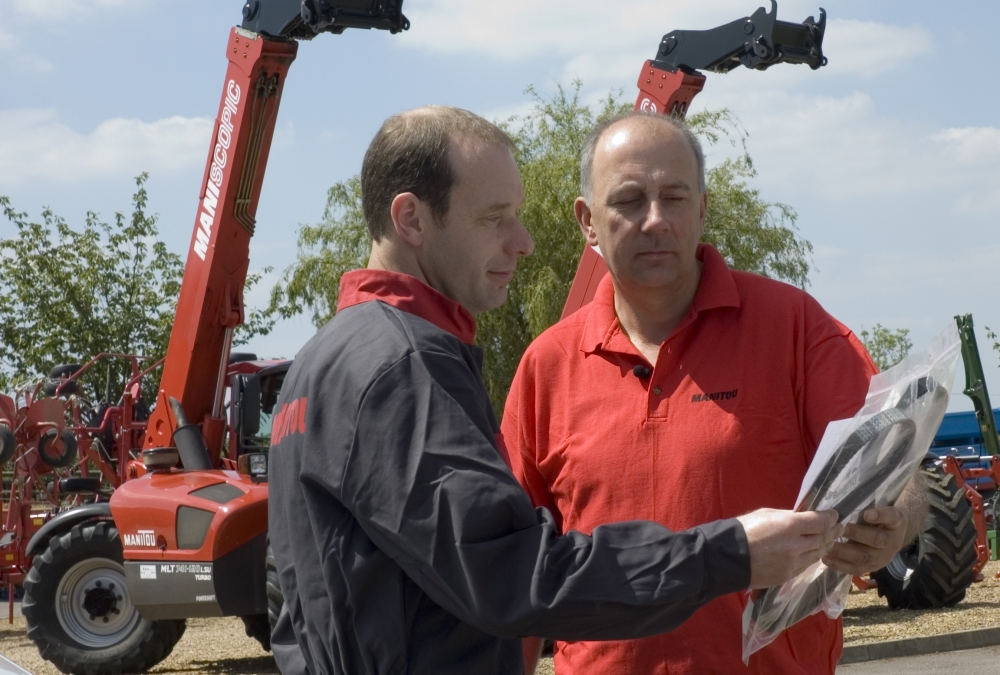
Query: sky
column 890, row 154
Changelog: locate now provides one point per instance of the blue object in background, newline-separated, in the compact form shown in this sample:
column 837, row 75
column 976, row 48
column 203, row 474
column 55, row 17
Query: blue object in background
column 960, row 436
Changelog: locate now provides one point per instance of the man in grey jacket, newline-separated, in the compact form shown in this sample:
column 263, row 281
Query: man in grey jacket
column 403, row 542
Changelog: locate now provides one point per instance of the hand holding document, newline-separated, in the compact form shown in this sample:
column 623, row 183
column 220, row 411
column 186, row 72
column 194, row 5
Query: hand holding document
column 861, row 463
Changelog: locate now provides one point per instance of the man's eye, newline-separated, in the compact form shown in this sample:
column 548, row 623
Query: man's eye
column 626, row 199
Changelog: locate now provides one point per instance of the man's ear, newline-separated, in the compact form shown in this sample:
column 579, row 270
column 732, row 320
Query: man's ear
column 703, row 212
column 409, row 218
column 583, row 215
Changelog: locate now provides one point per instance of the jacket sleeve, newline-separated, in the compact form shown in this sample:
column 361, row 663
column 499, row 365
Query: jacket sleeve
column 426, row 483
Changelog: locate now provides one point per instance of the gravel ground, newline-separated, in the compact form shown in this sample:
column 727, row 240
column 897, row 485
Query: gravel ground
column 220, row 646
column 867, row 619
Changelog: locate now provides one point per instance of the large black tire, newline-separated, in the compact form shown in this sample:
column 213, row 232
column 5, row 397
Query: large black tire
column 57, row 457
column 275, row 601
column 259, row 626
column 936, row 569
column 8, row 444
column 78, row 611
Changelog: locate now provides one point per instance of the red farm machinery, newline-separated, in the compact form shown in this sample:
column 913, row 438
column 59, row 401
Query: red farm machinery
column 126, row 516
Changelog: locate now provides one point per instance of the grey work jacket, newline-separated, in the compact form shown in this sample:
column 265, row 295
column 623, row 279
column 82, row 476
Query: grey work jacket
column 405, row 545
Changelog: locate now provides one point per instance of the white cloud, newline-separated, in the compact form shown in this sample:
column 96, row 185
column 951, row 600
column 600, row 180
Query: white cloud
column 870, row 48
column 7, row 40
column 843, row 147
column 972, row 145
column 35, row 145
column 521, row 28
column 29, row 63
column 64, row 9
column 607, row 44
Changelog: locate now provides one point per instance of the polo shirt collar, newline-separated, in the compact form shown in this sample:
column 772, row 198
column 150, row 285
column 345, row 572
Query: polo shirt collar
column 410, row 295
column 716, row 289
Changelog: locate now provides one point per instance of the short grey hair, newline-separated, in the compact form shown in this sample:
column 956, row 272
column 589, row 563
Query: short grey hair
column 594, row 137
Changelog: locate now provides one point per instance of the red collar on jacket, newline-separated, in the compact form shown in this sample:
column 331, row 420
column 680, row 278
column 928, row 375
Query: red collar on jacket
column 410, row 295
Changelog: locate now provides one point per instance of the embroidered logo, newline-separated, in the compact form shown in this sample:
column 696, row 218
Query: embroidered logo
column 716, row 396
column 291, row 419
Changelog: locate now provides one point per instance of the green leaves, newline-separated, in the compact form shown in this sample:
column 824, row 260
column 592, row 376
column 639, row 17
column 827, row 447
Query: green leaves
column 886, row 347
column 337, row 244
column 67, row 295
column 750, row 232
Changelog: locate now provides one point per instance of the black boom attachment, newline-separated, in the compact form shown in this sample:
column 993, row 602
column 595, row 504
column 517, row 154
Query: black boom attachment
column 305, row 19
column 758, row 41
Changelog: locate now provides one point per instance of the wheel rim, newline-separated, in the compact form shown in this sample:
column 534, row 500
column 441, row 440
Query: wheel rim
column 903, row 563
column 93, row 604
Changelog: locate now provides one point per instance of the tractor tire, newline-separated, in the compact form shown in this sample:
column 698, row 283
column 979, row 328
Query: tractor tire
column 258, row 627
column 78, row 611
column 64, row 371
column 59, row 458
column 275, row 600
column 8, row 444
column 936, row 569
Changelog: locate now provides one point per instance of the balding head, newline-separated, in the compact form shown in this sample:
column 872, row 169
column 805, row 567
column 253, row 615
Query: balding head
column 410, row 153
column 653, row 124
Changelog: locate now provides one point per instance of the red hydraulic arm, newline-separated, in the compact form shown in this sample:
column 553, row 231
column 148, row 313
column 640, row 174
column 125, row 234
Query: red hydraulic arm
column 668, row 83
column 211, row 298
column 210, row 305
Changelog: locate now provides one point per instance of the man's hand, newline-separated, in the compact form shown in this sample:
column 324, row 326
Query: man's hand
column 784, row 543
column 872, row 543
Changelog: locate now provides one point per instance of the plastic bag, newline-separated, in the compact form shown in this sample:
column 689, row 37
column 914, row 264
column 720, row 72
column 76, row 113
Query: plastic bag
column 860, row 463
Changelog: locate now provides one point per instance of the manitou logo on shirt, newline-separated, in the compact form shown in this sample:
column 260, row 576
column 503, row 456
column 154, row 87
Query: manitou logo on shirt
column 142, row 538
column 206, row 216
column 291, row 419
column 716, row 396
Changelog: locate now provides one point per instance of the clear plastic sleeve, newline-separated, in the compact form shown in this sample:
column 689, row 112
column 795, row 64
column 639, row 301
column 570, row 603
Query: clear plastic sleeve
column 861, row 462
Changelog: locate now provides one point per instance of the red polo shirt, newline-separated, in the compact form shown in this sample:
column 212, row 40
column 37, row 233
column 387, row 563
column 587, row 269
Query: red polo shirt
column 727, row 423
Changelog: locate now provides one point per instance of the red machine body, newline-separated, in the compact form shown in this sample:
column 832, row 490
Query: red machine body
column 194, row 543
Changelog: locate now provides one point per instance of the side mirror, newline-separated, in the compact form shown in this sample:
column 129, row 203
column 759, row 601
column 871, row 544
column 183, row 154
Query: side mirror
column 246, row 405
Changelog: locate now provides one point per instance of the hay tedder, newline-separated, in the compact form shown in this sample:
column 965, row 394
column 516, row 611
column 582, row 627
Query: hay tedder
column 58, row 450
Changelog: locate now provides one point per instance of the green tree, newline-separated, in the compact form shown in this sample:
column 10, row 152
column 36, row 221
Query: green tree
column 751, row 234
column 67, row 295
column 886, row 347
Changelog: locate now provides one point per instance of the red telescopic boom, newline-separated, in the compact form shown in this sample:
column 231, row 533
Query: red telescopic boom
column 211, row 298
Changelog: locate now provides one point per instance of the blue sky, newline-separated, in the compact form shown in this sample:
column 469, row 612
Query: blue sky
column 890, row 155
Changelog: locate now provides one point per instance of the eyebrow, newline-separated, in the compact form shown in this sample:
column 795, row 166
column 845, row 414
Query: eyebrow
column 631, row 184
column 492, row 208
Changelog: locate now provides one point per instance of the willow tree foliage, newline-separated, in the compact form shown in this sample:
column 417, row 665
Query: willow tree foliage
column 751, row 233
column 69, row 294
column 886, row 346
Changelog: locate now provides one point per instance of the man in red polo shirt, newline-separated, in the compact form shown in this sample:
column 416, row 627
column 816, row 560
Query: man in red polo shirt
column 684, row 393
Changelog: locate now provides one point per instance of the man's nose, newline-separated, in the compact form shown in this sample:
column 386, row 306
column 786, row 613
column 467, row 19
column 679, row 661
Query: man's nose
column 520, row 240
column 656, row 218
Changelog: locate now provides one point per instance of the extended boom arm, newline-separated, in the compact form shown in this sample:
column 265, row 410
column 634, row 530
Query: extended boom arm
column 210, row 305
